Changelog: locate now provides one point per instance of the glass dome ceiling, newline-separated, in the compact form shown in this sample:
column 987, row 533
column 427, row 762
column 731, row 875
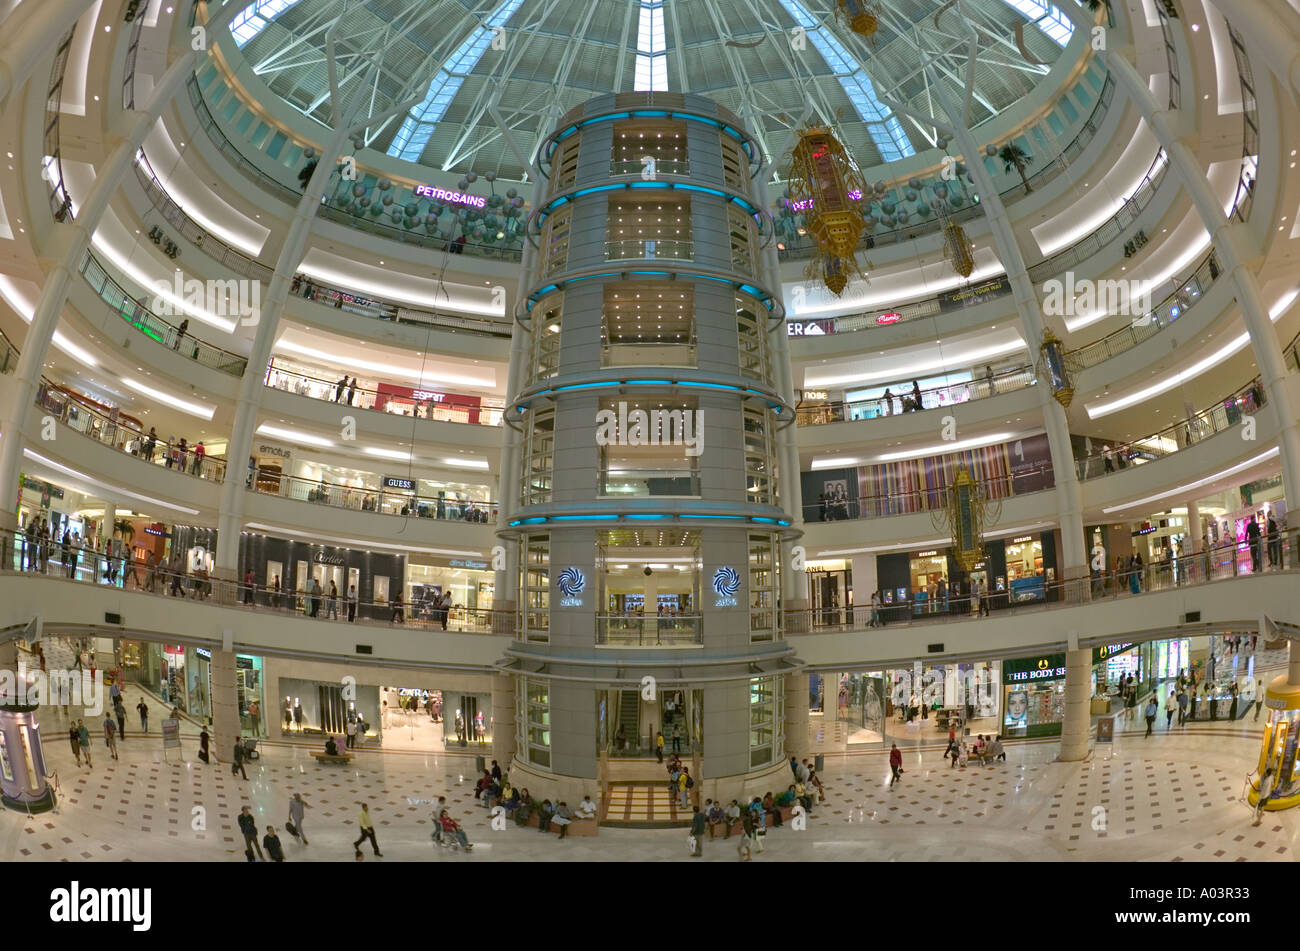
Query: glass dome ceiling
column 529, row 61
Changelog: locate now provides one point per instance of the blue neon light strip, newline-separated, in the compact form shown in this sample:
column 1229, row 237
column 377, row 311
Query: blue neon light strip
column 649, row 516
column 420, row 122
column 763, row 298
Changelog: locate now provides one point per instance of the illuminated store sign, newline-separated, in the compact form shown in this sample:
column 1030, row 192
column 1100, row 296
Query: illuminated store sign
column 455, row 198
column 571, row 583
column 726, row 583
column 462, row 563
column 321, row 558
column 397, row 482
column 892, row 317
column 1030, row 669
column 1110, row 650
column 809, row 328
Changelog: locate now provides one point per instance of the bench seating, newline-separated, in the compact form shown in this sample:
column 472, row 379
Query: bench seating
column 582, row 827
column 787, row 813
column 341, row 759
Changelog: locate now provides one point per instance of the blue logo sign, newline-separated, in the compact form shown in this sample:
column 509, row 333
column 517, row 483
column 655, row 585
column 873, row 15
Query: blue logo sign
column 571, row 583
column 726, row 582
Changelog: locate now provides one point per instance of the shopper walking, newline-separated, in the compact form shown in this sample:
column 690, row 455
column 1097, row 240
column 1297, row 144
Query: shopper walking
column 895, row 764
column 119, row 712
column 1171, row 706
column 745, row 847
column 659, row 745
column 237, row 761
column 1152, row 709
column 248, row 826
column 367, row 832
column 74, row 740
column 110, row 735
column 1259, row 699
column 1182, row 706
column 143, row 709
column 332, row 609
column 352, row 603
column 272, row 843
column 296, row 807
column 699, row 822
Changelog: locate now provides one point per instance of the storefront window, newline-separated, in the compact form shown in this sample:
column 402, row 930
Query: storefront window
column 764, row 717
column 1033, row 696
column 535, row 700
column 929, row 582
column 248, row 694
column 1025, row 569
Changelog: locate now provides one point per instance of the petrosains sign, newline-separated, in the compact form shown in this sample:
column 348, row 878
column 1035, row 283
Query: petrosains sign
column 1023, row 670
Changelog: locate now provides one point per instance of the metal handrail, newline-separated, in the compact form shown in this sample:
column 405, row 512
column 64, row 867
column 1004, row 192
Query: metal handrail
column 373, row 498
column 1174, row 306
column 326, row 209
column 1219, row 563
column 935, row 397
column 121, row 435
column 1245, row 194
column 52, row 172
column 240, row 263
column 910, row 501
column 85, row 564
column 803, row 247
column 362, row 397
column 143, row 319
column 650, row 630
column 1183, row 434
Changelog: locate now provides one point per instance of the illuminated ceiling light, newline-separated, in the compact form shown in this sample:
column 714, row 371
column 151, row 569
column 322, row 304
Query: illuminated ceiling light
column 293, row 435
column 401, row 455
column 37, row 457
column 185, row 406
column 465, row 463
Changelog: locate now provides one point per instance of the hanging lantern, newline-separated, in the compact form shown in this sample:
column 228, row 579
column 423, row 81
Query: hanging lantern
column 834, row 275
column 1054, row 368
column 967, row 513
column 826, row 185
column 956, row 248
column 862, row 18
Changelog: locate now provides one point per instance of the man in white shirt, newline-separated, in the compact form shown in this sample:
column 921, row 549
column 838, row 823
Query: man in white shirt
column 586, row 808
column 801, row 773
column 732, row 816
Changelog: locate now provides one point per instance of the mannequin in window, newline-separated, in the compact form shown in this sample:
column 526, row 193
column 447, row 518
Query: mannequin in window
column 297, row 714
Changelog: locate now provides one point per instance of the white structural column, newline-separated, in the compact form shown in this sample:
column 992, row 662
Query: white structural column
column 225, row 705
column 1193, row 527
column 796, row 716
column 1272, row 32
column 503, row 719
column 69, row 246
column 1069, row 497
column 1077, row 728
column 231, row 519
column 794, row 584
column 506, row 598
column 1230, row 244
column 33, row 36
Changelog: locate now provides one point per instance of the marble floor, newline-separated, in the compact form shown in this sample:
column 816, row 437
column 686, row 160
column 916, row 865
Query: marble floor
column 1176, row 796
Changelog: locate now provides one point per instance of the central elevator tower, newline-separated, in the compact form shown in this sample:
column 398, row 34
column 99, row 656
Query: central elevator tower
column 650, row 483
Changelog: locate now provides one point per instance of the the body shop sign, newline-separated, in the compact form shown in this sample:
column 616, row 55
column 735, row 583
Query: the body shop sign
column 1023, row 670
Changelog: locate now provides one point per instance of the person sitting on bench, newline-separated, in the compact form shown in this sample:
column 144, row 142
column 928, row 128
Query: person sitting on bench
column 331, row 748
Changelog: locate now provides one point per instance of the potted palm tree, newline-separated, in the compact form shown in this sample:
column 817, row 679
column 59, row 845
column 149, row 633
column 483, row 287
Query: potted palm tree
column 1013, row 156
column 124, row 529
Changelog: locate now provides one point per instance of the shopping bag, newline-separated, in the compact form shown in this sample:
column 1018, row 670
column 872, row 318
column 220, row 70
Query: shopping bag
column 691, row 844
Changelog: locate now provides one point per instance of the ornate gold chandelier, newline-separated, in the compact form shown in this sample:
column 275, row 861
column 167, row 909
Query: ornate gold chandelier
column 825, row 187
column 967, row 512
column 1055, row 367
column 863, row 18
